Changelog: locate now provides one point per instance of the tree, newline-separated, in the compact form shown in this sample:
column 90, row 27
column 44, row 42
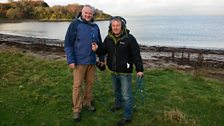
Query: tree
column 2, row 13
column 14, row 13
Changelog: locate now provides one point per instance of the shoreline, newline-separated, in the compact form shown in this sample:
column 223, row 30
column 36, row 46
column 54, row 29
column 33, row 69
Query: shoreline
column 210, row 63
column 43, row 20
column 150, row 54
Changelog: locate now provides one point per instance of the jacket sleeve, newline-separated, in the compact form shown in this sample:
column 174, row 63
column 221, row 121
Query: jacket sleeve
column 135, row 52
column 102, row 48
column 69, row 42
column 100, row 55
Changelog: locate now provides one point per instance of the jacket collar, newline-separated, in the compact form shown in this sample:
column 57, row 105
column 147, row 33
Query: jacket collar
column 124, row 35
column 84, row 21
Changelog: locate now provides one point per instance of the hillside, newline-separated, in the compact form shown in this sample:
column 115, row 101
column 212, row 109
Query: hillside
column 40, row 10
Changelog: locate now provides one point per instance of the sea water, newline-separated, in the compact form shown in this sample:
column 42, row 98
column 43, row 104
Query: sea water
column 177, row 31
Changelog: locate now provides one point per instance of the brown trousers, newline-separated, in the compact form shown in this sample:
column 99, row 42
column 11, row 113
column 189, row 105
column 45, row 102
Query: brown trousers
column 84, row 76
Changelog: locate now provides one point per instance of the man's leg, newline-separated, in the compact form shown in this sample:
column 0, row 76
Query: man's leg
column 89, row 80
column 126, row 88
column 117, row 92
column 79, row 74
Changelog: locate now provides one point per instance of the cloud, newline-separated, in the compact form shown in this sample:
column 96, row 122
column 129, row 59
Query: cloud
column 162, row 7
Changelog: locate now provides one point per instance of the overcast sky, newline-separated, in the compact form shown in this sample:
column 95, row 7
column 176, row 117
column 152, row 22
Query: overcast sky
column 150, row 7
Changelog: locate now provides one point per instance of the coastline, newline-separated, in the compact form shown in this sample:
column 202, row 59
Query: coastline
column 180, row 55
column 186, row 59
column 44, row 20
column 156, row 51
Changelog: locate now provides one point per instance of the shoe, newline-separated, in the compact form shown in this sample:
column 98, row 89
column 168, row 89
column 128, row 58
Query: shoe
column 90, row 108
column 115, row 108
column 76, row 116
column 123, row 122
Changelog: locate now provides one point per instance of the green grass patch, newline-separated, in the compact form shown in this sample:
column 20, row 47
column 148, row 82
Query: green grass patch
column 38, row 92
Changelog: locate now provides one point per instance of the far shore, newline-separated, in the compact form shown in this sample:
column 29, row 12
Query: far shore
column 33, row 20
column 42, row 20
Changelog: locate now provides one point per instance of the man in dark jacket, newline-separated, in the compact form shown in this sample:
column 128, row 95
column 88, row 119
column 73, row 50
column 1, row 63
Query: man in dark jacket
column 82, row 33
column 122, row 52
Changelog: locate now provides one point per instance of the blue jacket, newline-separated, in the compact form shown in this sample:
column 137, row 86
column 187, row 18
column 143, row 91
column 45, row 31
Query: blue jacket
column 78, row 42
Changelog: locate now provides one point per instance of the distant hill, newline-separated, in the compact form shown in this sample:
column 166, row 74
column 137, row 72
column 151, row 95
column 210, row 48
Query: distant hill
column 40, row 10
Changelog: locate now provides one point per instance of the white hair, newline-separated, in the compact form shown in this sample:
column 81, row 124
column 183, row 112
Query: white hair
column 89, row 6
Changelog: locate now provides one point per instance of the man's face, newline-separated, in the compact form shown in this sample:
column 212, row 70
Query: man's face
column 116, row 27
column 87, row 13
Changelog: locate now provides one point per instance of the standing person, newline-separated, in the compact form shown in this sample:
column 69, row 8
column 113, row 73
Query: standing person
column 81, row 34
column 122, row 52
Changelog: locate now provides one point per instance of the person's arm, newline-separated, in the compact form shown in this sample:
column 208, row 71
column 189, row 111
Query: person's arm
column 69, row 42
column 100, row 55
column 135, row 52
column 102, row 48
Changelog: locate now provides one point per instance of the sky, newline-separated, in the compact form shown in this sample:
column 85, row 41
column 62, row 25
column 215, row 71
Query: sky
column 150, row 7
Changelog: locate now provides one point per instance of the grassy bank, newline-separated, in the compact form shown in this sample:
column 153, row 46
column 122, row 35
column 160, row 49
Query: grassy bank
column 38, row 92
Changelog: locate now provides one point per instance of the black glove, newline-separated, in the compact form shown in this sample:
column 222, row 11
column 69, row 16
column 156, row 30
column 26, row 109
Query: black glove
column 101, row 66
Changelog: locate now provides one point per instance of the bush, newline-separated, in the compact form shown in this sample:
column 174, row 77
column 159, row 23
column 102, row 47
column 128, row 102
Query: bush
column 14, row 13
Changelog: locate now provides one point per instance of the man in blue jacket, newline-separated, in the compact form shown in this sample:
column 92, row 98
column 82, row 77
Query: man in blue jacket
column 81, row 34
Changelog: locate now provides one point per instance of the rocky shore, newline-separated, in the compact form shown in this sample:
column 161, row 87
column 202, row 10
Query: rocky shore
column 185, row 56
column 153, row 56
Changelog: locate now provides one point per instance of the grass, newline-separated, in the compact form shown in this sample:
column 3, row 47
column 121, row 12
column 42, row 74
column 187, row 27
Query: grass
column 38, row 92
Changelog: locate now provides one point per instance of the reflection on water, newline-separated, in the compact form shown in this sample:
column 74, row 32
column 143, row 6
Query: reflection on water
column 55, row 30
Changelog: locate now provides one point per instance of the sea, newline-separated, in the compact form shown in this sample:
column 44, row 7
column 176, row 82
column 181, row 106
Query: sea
column 175, row 31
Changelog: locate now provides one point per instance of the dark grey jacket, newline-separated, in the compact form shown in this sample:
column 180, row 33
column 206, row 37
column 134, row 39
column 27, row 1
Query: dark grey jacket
column 122, row 53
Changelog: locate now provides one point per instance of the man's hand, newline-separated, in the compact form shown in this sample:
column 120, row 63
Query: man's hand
column 101, row 65
column 72, row 66
column 94, row 47
column 140, row 74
